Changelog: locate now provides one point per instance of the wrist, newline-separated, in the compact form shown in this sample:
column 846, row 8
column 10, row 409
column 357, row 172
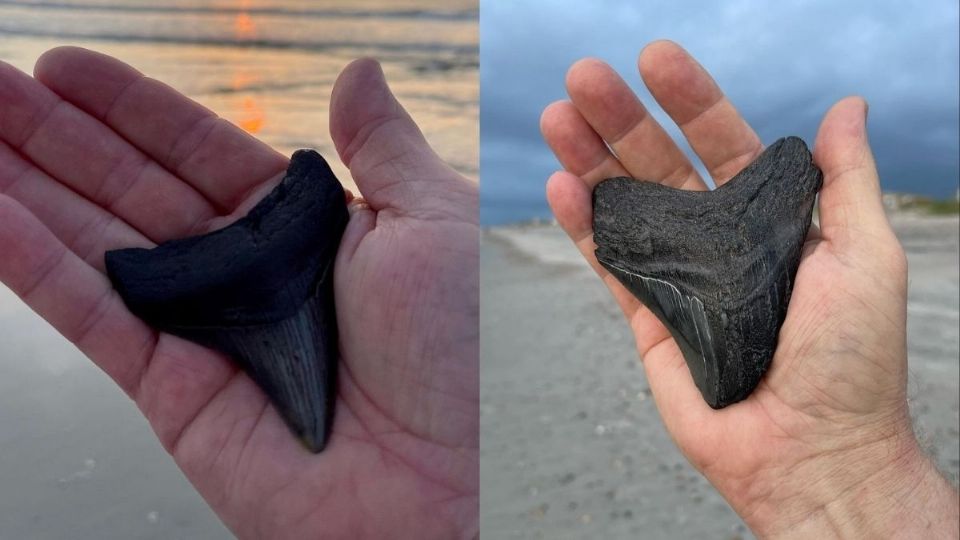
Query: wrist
column 881, row 490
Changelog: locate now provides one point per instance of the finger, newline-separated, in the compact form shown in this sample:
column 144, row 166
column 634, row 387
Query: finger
column 391, row 162
column 91, row 159
column 180, row 380
column 220, row 160
column 73, row 297
column 715, row 130
column 670, row 380
column 569, row 198
column 615, row 113
column 850, row 200
column 577, row 146
column 685, row 414
column 85, row 228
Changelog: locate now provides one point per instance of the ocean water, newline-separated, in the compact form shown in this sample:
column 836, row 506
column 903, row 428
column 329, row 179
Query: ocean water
column 269, row 65
column 78, row 460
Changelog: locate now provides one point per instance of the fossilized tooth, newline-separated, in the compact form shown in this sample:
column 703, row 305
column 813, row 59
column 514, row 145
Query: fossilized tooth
column 716, row 267
column 259, row 290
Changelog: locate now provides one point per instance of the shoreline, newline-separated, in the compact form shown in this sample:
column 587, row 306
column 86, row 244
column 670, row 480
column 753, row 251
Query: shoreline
column 893, row 215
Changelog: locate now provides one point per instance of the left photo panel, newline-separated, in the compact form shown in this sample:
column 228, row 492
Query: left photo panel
column 239, row 255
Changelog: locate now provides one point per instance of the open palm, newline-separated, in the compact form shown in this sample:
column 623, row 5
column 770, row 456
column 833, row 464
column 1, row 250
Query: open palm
column 837, row 381
column 95, row 156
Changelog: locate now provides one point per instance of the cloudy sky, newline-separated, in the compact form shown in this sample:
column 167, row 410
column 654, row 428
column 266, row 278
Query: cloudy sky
column 781, row 63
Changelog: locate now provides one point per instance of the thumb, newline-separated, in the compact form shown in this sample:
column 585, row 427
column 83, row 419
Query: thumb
column 388, row 157
column 850, row 201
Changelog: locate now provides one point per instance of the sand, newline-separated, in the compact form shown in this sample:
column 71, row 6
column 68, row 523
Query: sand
column 79, row 461
column 572, row 445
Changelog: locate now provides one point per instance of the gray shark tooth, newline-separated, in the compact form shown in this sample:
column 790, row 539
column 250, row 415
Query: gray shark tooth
column 716, row 267
column 259, row 290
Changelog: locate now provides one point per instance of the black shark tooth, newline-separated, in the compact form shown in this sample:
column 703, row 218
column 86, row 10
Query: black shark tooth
column 716, row 267
column 259, row 290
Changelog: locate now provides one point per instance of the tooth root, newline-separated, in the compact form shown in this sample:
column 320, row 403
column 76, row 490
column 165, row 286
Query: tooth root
column 260, row 291
column 716, row 267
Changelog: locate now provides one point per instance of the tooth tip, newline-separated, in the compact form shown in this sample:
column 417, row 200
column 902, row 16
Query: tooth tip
column 315, row 443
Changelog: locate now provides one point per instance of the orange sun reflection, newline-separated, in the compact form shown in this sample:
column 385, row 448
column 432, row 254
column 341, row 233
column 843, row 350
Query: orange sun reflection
column 242, row 79
column 243, row 26
column 252, row 116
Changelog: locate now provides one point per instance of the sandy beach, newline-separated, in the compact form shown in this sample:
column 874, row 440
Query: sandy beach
column 572, row 443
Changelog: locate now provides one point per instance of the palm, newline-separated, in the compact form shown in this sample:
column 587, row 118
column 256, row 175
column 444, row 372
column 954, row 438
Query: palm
column 771, row 431
column 808, row 402
column 409, row 406
column 68, row 157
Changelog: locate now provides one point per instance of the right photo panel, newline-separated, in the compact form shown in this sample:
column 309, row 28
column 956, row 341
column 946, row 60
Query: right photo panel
column 720, row 290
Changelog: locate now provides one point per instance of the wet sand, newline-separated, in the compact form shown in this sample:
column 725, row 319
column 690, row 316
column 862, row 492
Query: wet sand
column 79, row 461
column 572, row 444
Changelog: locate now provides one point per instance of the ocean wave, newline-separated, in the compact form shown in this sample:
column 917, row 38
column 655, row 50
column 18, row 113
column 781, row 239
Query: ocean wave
column 271, row 43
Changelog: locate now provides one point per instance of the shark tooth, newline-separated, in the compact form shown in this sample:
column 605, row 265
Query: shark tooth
column 259, row 290
column 716, row 267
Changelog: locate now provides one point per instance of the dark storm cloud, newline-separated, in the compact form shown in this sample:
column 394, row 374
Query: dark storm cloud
column 782, row 64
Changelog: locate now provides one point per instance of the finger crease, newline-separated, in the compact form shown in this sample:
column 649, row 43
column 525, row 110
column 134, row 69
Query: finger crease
column 656, row 345
column 644, row 116
column 100, row 224
column 177, row 157
column 245, row 445
column 47, row 269
column 144, row 354
column 702, row 112
column 364, row 135
column 108, row 200
column 93, row 317
column 36, row 124
column 749, row 154
column 583, row 237
column 116, row 99
column 597, row 167
column 239, row 199
column 679, row 177
column 836, row 175
column 16, row 179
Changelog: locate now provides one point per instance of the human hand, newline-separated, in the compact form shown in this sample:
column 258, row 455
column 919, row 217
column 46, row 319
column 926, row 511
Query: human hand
column 94, row 156
column 824, row 444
